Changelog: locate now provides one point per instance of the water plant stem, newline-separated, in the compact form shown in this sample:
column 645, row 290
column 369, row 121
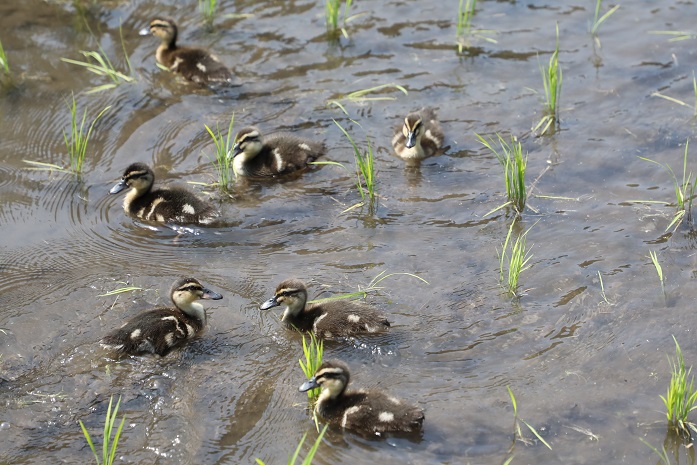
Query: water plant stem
column 76, row 142
column 552, row 81
column 223, row 153
column 110, row 444
column 681, row 397
column 514, row 165
column 365, row 168
column 518, row 260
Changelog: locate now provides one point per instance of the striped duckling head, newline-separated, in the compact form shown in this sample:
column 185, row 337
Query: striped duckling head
column 332, row 376
column 248, row 142
column 412, row 129
column 292, row 293
column 137, row 176
column 162, row 28
column 186, row 292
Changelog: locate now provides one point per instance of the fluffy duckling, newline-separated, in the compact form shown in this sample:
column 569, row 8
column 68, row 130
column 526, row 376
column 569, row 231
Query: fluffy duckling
column 366, row 412
column 160, row 330
column 275, row 155
column 194, row 63
column 420, row 136
column 328, row 320
column 165, row 205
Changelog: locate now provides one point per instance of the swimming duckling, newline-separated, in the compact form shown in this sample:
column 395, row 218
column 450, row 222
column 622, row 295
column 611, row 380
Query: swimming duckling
column 420, row 136
column 365, row 412
column 160, row 330
column 194, row 63
column 165, row 205
column 275, row 155
column 332, row 319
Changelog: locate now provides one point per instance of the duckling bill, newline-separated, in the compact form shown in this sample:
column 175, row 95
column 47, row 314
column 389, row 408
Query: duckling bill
column 276, row 155
column 367, row 412
column 160, row 330
column 194, row 63
column 165, row 205
column 328, row 320
column 420, row 136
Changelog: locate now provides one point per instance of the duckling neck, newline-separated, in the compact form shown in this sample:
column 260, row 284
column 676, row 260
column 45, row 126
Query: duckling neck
column 291, row 312
column 132, row 195
column 194, row 310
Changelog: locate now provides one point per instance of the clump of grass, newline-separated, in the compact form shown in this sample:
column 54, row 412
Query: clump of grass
column 313, row 351
column 517, row 432
column 365, row 169
column 551, row 80
column 518, row 255
column 597, row 19
column 310, row 454
column 207, row 10
column 514, row 165
column 360, row 96
column 331, row 12
column 4, row 64
column 102, row 66
column 681, row 397
column 464, row 21
column 223, row 153
column 108, row 453
column 659, row 270
column 684, row 190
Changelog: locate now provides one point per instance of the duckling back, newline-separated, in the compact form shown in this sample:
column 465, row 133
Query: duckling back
column 420, row 136
column 340, row 319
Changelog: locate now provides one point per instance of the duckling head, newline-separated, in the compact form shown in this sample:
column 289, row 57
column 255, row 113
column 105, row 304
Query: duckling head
column 412, row 129
column 138, row 176
column 163, row 28
column 332, row 376
column 248, row 143
column 292, row 293
column 186, row 292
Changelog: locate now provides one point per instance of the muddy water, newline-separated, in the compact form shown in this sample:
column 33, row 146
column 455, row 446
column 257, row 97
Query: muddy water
column 586, row 373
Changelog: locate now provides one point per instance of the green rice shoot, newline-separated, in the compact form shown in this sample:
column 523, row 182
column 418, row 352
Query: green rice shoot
column 310, row 454
column 4, row 63
column 76, row 142
column 514, row 165
column 110, row 443
column 464, row 21
column 373, row 286
column 659, row 269
column 552, row 81
column 207, row 10
column 518, row 433
column 365, row 169
column 223, row 153
column 680, row 396
column 518, row 256
column 313, row 352
column 597, row 19
column 331, row 12
column 361, row 96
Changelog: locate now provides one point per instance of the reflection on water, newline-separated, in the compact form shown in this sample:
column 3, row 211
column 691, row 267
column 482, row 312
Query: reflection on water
column 586, row 367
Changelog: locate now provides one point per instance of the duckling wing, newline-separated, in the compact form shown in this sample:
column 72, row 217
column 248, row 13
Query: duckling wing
column 376, row 412
column 198, row 65
column 173, row 205
column 286, row 153
column 349, row 318
column 156, row 331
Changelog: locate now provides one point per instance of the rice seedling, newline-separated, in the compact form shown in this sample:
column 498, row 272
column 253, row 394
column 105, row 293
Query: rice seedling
column 313, row 351
column 552, row 80
column 207, row 10
column 602, row 290
column 4, row 64
column 359, row 96
column 77, row 141
column 331, row 12
column 681, row 397
column 102, row 66
column 517, row 432
column 663, row 457
column 310, row 454
column 684, row 191
column 518, row 255
column 464, row 21
column 597, row 19
column 676, row 36
column 365, row 170
column 659, row 270
column 223, row 153
column 372, row 286
column 108, row 452
column 514, row 165
column 680, row 102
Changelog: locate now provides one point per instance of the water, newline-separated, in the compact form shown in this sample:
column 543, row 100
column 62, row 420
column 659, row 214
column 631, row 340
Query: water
column 585, row 373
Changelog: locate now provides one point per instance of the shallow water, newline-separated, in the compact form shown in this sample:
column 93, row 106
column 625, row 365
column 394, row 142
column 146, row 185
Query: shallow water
column 586, row 374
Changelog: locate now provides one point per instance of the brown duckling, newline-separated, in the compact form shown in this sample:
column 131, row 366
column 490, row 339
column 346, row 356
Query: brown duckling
column 162, row 329
column 176, row 204
column 328, row 320
column 275, row 155
column 367, row 412
column 194, row 63
column 420, row 136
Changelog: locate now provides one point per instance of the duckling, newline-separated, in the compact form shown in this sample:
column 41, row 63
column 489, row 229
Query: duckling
column 275, row 155
column 420, row 136
column 194, row 63
column 165, row 205
column 328, row 320
column 365, row 412
column 162, row 329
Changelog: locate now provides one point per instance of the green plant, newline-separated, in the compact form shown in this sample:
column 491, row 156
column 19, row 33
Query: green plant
column 331, row 12
column 310, row 454
column 207, row 10
column 4, row 64
column 365, row 169
column 78, row 140
column 597, row 19
column 602, row 290
column 313, row 351
column 223, row 153
column 680, row 397
column 464, row 21
column 360, row 96
column 108, row 453
column 514, row 165
column 372, row 286
column 517, row 432
column 684, row 190
column 102, row 66
column 680, row 102
column 519, row 260
column 659, row 269
column 552, row 80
